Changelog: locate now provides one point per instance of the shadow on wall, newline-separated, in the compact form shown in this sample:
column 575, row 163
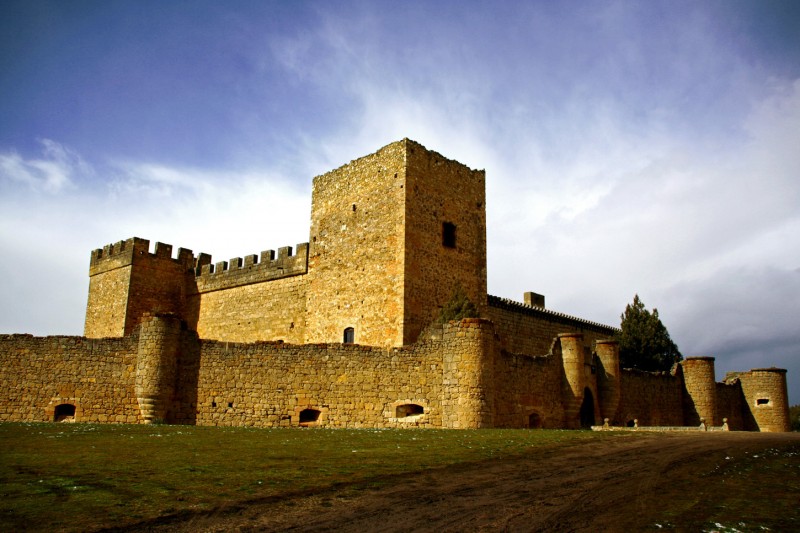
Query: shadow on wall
column 184, row 404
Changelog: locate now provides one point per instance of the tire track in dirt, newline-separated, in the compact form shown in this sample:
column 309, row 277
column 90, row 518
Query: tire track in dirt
column 614, row 485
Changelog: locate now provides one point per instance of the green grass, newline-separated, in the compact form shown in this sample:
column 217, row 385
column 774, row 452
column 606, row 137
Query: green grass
column 78, row 477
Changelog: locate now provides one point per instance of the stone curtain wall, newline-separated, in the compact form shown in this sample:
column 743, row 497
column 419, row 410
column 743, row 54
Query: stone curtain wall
column 272, row 310
column 528, row 391
column 654, row 399
column 95, row 375
column 529, row 330
column 271, row 383
column 457, row 379
column 730, row 405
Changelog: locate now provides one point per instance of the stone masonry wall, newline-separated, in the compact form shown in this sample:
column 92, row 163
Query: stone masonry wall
column 700, row 398
column 528, row 391
column 654, row 399
column 730, row 405
column 271, row 383
column 272, row 310
column 441, row 191
column 126, row 281
column 356, row 252
column 765, row 398
column 95, row 375
column 530, row 330
column 108, row 303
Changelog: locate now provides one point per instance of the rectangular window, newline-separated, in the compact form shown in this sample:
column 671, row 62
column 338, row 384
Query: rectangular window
column 448, row 235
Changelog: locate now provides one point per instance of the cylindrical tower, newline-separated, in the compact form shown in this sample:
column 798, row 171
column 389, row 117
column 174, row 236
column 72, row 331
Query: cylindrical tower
column 767, row 399
column 608, row 378
column 700, row 401
column 573, row 359
column 156, row 361
column 468, row 374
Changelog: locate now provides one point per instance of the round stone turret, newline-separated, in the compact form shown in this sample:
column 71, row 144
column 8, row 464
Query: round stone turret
column 468, row 372
column 767, row 400
column 156, row 362
column 700, row 400
column 608, row 377
column 573, row 359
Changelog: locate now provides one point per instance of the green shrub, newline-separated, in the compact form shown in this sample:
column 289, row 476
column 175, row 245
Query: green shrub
column 458, row 307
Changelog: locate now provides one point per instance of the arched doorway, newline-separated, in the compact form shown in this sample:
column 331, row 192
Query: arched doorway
column 587, row 409
column 534, row 421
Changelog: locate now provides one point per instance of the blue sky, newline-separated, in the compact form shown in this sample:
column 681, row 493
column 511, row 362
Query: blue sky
column 630, row 147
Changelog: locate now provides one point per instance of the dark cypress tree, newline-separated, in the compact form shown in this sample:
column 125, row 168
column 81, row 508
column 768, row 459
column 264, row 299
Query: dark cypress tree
column 644, row 342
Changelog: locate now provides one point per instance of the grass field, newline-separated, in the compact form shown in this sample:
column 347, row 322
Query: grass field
column 78, row 477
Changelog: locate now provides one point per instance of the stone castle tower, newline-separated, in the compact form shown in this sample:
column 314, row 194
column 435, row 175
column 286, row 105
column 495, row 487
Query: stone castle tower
column 393, row 234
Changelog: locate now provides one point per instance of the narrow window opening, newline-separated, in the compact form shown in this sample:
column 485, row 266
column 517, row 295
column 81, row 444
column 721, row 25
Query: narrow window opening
column 64, row 413
column 448, row 235
column 213, row 404
column 230, row 405
column 308, row 416
column 349, row 336
column 408, row 409
column 762, row 401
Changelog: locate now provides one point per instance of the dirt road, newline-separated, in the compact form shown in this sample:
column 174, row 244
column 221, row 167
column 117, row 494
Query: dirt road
column 637, row 482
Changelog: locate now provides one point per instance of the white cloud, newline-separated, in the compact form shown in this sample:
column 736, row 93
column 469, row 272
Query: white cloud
column 52, row 173
column 46, row 240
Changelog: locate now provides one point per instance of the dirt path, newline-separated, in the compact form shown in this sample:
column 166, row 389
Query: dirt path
column 624, row 484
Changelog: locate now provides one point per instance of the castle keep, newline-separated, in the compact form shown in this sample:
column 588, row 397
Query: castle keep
column 342, row 331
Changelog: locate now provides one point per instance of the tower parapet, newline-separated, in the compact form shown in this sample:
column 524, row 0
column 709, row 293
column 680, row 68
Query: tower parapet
column 126, row 281
column 125, row 253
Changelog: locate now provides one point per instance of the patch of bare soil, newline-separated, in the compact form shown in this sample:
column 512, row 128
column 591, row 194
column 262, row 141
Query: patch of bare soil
column 638, row 482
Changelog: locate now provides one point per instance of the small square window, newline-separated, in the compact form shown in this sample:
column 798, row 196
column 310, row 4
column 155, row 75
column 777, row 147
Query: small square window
column 448, row 235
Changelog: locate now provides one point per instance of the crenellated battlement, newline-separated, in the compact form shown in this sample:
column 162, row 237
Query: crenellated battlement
column 129, row 251
column 251, row 269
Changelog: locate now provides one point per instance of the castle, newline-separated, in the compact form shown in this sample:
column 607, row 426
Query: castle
column 342, row 331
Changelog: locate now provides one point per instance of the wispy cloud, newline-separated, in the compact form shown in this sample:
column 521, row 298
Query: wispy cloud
column 52, row 173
